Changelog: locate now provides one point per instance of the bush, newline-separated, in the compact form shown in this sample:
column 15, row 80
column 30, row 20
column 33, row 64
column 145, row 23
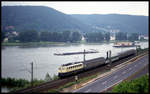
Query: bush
column 55, row 77
column 14, row 82
column 139, row 85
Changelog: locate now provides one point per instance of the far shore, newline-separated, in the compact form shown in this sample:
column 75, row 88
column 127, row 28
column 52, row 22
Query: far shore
column 52, row 43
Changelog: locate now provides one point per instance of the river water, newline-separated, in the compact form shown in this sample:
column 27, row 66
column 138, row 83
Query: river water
column 16, row 60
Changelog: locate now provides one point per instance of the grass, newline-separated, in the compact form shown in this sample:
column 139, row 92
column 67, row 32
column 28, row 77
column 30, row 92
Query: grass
column 138, row 85
column 69, row 84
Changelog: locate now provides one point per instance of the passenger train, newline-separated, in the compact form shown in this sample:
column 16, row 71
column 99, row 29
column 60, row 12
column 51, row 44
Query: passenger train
column 69, row 69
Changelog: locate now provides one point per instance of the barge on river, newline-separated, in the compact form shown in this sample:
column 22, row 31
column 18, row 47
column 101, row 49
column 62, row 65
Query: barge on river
column 74, row 53
column 124, row 44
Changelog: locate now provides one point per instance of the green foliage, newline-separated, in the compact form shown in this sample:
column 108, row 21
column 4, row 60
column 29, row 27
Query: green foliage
column 13, row 39
column 75, row 36
column 107, row 36
column 125, row 23
column 48, row 77
column 139, row 85
column 17, row 84
column 14, row 82
column 94, row 37
column 74, row 82
column 34, row 36
column 142, row 38
column 66, row 36
column 3, row 35
column 29, row 36
column 39, row 18
column 55, row 77
column 121, row 36
column 45, row 36
column 52, row 91
column 133, row 37
column 37, row 82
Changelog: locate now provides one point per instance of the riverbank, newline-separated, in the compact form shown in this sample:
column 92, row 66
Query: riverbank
column 53, row 43
column 31, row 43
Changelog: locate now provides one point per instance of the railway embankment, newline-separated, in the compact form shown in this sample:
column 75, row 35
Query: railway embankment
column 101, row 75
column 69, row 84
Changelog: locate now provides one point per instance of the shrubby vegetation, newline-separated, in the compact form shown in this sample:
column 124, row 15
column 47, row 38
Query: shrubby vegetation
column 49, row 78
column 133, row 37
column 17, row 84
column 121, row 36
column 138, row 85
column 14, row 82
column 3, row 35
column 75, row 36
column 66, row 36
column 107, row 37
column 46, row 36
column 94, row 37
column 42, row 18
column 29, row 36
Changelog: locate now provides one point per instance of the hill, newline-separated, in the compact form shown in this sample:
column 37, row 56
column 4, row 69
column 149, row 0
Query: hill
column 39, row 18
column 124, row 23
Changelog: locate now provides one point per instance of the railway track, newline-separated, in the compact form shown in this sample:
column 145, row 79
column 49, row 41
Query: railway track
column 57, row 83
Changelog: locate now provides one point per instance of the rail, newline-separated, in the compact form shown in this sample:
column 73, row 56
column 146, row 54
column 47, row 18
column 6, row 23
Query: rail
column 57, row 83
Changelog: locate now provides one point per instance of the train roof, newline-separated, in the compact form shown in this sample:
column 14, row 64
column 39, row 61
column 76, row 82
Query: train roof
column 95, row 60
column 126, row 51
column 68, row 64
column 87, row 61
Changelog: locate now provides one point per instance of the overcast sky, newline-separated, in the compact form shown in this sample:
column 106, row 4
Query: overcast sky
column 87, row 7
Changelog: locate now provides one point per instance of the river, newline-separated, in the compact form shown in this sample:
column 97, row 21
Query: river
column 16, row 60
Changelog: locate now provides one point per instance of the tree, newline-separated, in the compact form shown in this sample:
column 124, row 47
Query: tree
column 48, row 77
column 45, row 36
column 66, row 36
column 3, row 35
column 138, row 85
column 55, row 77
column 121, row 36
column 100, row 37
column 133, row 37
column 94, row 37
column 142, row 38
column 56, row 37
column 90, row 37
column 107, row 36
column 29, row 36
column 76, row 36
